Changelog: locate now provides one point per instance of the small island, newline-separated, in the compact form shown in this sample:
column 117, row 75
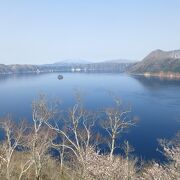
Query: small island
column 60, row 76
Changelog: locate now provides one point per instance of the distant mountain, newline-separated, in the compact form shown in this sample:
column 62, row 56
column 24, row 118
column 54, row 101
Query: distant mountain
column 158, row 61
column 118, row 61
column 78, row 65
column 82, row 61
column 69, row 66
column 71, row 62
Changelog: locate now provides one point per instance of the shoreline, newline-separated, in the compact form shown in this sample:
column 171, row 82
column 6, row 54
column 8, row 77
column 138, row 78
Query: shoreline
column 161, row 75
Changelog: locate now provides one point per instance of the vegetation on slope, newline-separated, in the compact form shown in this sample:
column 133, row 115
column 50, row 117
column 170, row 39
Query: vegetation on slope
column 158, row 61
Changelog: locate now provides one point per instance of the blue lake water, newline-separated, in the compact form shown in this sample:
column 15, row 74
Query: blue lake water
column 155, row 102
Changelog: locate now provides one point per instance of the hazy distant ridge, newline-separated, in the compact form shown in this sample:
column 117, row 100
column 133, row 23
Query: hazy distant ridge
column 69, row 66
column 16, row 68
column 157, row 61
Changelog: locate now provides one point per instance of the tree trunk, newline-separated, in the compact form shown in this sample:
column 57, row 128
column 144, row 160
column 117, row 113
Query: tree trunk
column 112, row 146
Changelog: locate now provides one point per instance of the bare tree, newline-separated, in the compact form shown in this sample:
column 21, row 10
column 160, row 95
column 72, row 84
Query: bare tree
column 128, row 149
column 78, row 128
column 40, row 142
column 75, row 130
column 117, row 120
column 41, row 112
column 60, row 147
column 14, row 138
column 25, row 166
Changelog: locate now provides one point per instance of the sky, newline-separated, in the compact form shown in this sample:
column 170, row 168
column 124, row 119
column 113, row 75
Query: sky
column 48, row 31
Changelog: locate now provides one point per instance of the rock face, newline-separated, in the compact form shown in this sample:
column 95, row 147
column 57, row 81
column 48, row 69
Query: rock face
column 60, row 77
column 157, row 61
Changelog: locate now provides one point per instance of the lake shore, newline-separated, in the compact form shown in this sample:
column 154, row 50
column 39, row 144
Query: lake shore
column 161, row 75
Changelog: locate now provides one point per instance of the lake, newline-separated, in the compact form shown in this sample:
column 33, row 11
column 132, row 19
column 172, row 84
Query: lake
column 154, row 101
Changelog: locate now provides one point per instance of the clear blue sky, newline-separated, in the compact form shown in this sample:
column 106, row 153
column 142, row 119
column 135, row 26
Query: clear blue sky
column 46, row 31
